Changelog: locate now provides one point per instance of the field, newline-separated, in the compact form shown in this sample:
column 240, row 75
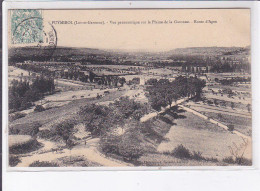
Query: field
column 201, row 136
column 241, row 124
column 195, row 126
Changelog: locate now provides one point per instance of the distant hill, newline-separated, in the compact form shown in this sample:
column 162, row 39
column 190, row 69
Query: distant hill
column 210, row 51
column 38, row 54
column 57, row 52
column 21, row 54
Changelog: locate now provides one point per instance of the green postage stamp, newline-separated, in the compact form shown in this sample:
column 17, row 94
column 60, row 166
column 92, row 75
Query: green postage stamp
column 26, row 26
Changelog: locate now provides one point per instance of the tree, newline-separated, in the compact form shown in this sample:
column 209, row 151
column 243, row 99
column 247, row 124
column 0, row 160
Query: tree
column 215, row 102
column 64, row 130
column 152, row 81
column 39, row 108
column 115, row 81
column 96, row 118
column 129, row 108
column 164, row 92
column 122, row 81
column 231, row 127
column 232, row 105
column 248, row 108
column 91, row 76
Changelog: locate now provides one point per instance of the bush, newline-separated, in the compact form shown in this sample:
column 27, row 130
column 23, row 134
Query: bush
column 43, row 164
column 16, row 116
column 243, row 161
column 239, row 161
column 25, row 129
column 182, row 152
column 65, row 130
column 231, row 127
column 25, row 147
column 127, row 146
column 39, row 108
column 13, row 160
column 46, row 134
column 198, row 156
column 229, row 160
column 97, row 119
column 220, row 115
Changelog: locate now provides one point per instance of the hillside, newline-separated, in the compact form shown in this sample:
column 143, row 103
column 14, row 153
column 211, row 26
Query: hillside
column 214, row 51
column 100, row 56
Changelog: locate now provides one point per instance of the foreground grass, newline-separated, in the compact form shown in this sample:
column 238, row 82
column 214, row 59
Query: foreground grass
column 66, row 111
column 241, row 124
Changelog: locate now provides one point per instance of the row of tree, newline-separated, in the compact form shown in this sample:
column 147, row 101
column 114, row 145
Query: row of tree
column 163, row 92
column 228, row 67
column 22, row 94
column 73, row 74
column 233, row 80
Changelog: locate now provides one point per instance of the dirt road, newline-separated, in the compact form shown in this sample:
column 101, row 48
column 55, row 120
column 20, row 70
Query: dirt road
column 88, row 151
column 154, row 114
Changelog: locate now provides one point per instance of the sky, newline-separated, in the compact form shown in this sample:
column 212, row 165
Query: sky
column 232, row 28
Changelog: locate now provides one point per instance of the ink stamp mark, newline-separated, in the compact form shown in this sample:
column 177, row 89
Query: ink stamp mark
column 26, row 26
column 29, row 29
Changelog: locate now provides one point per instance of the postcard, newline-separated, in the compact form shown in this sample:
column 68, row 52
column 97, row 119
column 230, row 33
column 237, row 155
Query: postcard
column 129, row 88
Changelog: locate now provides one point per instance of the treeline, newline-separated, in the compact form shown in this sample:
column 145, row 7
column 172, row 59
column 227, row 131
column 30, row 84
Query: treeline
column 22, row 94
column 73, row 74
column 233, row 80
column 226, row 67
column 36, row 69
column 92, row 77
column 163, row 92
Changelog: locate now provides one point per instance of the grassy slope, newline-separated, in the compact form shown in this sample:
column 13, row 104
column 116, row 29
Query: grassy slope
column 241, row 124
column 56, row 115
column 196, row 135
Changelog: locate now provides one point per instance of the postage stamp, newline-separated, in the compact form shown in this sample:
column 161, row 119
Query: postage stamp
column 26, row 26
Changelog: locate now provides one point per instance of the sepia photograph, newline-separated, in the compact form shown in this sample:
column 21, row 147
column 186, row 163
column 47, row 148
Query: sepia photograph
column 129, row 88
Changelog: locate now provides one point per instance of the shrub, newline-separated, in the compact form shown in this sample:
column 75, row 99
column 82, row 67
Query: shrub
column 127, row 146
column 25, row 129
column 16, row 116
column 24, row 147
column 182, row 152
column 151, row 81
column 198, row 156
column 46, row 134
column 131, row 150
column 229, row 160
column 97, row 118
column 220, row 115
column 39, row 108
column 13, row 160
column 231, row 127
column 109, row 144
column 65, row 130
column 43, row 164
column 243, row 161
column 238, row 160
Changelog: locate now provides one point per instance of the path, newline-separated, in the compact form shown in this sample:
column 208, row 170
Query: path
column 88, row 151
column 238, row 113
column 214, row 121
column 154, row 114
column 225, row 98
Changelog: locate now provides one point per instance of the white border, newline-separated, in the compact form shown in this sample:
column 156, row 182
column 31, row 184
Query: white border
column 254, row 6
